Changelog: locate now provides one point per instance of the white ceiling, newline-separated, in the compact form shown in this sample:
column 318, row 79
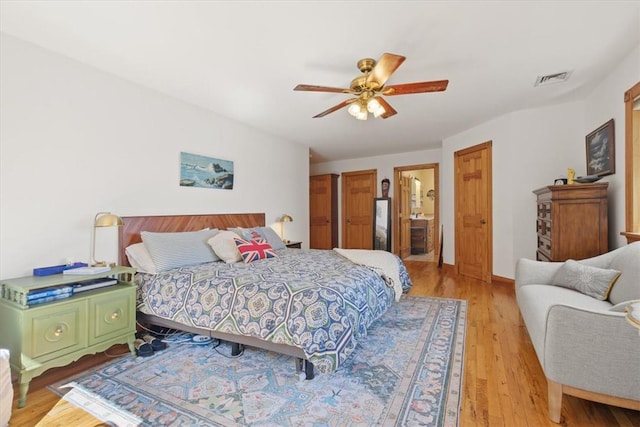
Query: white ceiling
column 242, row 59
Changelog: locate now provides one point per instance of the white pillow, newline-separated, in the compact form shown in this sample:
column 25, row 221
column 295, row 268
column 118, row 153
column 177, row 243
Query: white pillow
column 172, row 250
column 140, row 259
column 225, row 247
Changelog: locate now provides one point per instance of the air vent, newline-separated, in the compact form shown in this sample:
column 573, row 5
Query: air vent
column 552, row 78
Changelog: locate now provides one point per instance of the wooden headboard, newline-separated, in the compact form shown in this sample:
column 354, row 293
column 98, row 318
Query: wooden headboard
column 133, row 225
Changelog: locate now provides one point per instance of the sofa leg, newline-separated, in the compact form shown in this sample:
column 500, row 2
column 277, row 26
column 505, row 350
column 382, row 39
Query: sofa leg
column 554, row 391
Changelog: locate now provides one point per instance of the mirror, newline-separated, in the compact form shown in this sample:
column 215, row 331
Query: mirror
column 382, row 224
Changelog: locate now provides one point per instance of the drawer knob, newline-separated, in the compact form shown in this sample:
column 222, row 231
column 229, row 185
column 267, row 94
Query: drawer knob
column 115, row 315
column 58, row 331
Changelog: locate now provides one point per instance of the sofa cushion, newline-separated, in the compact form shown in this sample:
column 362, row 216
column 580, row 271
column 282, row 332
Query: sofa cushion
column 592, row 281
column 627, row 287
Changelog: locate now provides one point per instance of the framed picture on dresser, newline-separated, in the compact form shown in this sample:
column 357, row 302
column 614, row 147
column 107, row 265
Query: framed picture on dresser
column 382, row 224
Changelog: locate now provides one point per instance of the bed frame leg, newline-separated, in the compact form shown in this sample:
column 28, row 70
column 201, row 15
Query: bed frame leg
column 236, row 349
column 303, row 364
column 308, row 369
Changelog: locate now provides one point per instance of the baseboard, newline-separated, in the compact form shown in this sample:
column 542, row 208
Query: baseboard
column 450, row 268
column 502, row 280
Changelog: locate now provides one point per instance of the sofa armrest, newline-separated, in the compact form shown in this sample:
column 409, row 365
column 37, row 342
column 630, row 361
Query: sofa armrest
column 530, row 272
column 594, row 350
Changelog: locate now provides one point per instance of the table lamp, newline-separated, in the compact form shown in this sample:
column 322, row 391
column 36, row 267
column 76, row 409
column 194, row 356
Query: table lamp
column 283, row 219
column 102, row 219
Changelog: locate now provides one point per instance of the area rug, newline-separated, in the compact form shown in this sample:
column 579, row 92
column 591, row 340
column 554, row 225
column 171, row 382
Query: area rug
column 408, row 372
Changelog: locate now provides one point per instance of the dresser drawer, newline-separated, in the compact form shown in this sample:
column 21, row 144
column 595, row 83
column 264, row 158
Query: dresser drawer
column 544, row 246
column 543, row 227
column 544, row 210
column 53, row 331
column 542, row 257
column 112, row 314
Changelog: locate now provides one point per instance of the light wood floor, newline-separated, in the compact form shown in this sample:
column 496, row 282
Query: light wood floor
column 503, row 382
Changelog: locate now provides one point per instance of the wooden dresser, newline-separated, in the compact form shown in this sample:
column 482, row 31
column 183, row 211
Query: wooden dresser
column 572, row 221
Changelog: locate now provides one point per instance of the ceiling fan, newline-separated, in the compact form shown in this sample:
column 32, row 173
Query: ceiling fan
column 369, row 87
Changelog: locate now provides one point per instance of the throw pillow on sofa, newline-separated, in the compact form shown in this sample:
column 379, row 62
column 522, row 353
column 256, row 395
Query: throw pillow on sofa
column 592, row 281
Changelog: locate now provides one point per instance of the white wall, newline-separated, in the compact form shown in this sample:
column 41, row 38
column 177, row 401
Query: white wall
column 604, row 103
column 383, row 164
column 75, row 141
column 530, row 149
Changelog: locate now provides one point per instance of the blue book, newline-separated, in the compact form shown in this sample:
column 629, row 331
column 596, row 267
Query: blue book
column 49, row 292
column 49, row 299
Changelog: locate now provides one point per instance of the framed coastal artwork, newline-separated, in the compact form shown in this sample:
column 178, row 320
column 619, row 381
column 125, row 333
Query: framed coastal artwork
column 382, row 224
column 601, row 160
column 205, row 172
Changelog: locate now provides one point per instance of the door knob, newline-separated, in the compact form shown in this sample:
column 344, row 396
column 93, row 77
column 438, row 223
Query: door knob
column 483, row 221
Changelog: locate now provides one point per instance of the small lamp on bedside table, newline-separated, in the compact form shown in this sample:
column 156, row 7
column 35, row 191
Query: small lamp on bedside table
column 285, row 218
column 102, row 219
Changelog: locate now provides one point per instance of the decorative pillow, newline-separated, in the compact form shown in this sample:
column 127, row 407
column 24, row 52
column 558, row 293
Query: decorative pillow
column 592, row 281
column 224, row 246
column 254, row 250
column 140, row 258
column 172, row 250
column 247, row 233
column 271, row 237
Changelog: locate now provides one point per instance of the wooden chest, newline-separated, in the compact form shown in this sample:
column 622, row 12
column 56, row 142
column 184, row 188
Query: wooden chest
column 571, row 221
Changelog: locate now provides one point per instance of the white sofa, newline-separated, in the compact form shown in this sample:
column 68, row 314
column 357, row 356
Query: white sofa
column 585, row 345
column 6, row 389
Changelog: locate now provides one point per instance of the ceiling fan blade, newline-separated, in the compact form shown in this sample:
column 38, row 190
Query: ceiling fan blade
column 314, row 88
column 335, row 108
column 383, row 69
column 388, row 109
column 420, row 87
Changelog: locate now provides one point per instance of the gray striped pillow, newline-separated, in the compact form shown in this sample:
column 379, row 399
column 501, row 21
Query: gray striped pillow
column 172, row 250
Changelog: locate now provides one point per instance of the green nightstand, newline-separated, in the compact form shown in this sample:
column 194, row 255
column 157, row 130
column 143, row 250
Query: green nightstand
column 57, row 333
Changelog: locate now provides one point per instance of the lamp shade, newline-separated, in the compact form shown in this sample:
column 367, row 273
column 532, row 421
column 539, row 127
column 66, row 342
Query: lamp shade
column 107, row 220
column 286, row 218
column 102, row 219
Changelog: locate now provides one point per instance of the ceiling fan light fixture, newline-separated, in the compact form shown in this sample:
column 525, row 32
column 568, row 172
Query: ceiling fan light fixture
column 373, row 105
column 375, row 108
column 355, row 109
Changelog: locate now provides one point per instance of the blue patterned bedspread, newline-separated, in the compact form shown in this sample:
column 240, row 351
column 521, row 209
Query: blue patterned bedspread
column 316, row 300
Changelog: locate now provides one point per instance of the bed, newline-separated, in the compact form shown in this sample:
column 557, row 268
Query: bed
column 313, row 305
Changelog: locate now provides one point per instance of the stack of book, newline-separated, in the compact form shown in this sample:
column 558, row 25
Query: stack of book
column 39, row 296
column 54, row 293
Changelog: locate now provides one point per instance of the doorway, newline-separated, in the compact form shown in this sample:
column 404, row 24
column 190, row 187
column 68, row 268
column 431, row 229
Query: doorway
column 416, row 208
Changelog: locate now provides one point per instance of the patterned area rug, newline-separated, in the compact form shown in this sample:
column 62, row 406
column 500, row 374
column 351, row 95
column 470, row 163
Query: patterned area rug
column 408, row 372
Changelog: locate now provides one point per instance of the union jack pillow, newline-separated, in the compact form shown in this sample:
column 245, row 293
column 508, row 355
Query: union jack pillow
column 254, row 250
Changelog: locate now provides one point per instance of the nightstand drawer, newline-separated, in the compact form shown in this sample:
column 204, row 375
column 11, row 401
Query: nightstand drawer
column 51, row 332
column 112, row 314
